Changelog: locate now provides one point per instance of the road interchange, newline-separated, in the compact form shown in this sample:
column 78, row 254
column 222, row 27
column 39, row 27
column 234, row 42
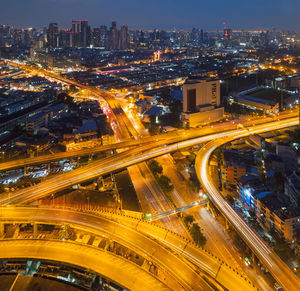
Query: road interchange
column 133, row 156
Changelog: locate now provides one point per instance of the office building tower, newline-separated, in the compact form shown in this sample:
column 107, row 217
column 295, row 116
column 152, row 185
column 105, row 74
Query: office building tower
column 85, row 33
column 114, row 37
column 96, row 36
column 201, row 100
column 199, row 92
column 124, row 38
column 52, row 35
column 80, row 35
column 76, row 27
column 103, row 35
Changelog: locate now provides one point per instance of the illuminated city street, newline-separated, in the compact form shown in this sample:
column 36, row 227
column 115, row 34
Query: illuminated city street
column 149, row 146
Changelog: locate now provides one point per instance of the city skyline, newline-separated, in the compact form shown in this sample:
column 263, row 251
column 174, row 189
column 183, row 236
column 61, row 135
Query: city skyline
column 165, row 14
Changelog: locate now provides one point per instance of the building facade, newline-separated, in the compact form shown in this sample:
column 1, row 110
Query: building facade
column 201, row 101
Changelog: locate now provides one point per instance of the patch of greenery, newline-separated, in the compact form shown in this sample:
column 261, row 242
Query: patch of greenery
column 165, row 183
column 155, row 167
column 195, row 230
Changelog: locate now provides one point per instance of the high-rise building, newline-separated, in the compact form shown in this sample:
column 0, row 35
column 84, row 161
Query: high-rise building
column 64, row 38
column 117, row 39
column 124, row 38
column 53, row 35
column 201, row 36
column 199, row 92
column 76, row 27
column 5, row 34
column 99, row 36
column 103, row 35
column 228, row 33
column 96, row 35
column 85, row 33
column 81, row 33
column 201, row 100
column 114, row 37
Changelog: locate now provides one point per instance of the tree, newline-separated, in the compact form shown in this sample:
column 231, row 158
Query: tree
column 153, row 119
column 191, row 158
column 155, row 167
column 153, row 129
column 218, row 153
column 197, row 235
column 282, row 249
column 164, row 183
column 188, row 220
column 65, row 98
column 178, row 123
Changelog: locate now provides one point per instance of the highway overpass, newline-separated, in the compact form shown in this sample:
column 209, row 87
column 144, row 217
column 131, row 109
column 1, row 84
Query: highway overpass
column 188, row 267
column 266, row 255
column 19, row 163
column 132, row 157
column 125, row 159
column 108, row 265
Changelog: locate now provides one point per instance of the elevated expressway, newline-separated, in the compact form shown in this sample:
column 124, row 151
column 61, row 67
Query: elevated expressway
column 279, row 270
column 274, row 264
column 125, row 159
column 18, row 163
column 184, row 266
column 108, row 265
column 163, row 139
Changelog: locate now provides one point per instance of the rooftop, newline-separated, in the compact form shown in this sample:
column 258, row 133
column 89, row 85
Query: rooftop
column 280, row 205
column 36, row 116
column 257, row 100
column 197, row 79
column 156, row 110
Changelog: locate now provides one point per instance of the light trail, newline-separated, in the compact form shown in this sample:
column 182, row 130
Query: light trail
column 275, row 265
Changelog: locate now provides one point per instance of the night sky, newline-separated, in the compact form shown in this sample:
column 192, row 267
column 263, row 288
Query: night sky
column 166, row 14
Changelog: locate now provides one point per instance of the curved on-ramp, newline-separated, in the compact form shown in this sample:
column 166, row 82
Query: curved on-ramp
column 191, row 266
column 123, row 160
column 275, row 265
column 111, row 266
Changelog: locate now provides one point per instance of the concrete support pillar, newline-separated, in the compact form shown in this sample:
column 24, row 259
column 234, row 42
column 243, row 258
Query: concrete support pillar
column 1, row 229
column 226, row 224
column 253, row 257
column 35, row 230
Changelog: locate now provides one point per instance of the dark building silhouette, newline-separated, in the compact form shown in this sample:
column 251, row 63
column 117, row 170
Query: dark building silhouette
column 117, row 39
column 53, row 35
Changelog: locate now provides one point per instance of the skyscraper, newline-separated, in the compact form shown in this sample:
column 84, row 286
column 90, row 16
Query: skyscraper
column 76, row 27
column 114, row 37
column 117, row 39
column 53, row 35
column 103, row 35
column 85, row 33
column 81, row 33
column 201, row 100
column 124, row 38
column 200, row 92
